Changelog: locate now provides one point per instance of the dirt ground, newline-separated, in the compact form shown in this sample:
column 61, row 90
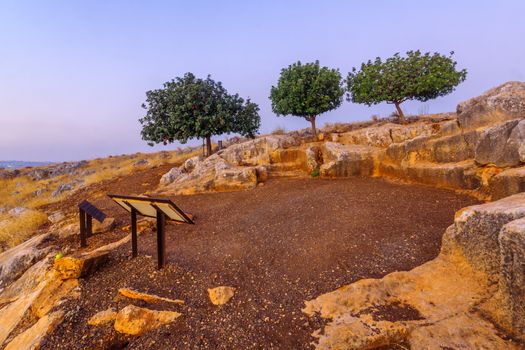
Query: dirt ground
column 279, row 245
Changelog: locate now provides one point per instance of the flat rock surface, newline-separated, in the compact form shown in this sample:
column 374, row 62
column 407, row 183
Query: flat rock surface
column 279, row 245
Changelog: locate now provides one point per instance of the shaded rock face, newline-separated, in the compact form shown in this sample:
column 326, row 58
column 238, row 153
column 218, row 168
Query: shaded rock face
column 496, row 146
column 474, row 287
column 15, row 261
column 502, row 103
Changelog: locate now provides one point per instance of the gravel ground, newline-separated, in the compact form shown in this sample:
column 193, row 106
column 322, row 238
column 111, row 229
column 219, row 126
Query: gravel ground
column 279, row 245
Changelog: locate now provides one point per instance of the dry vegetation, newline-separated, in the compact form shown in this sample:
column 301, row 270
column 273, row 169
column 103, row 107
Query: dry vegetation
column 23, row 191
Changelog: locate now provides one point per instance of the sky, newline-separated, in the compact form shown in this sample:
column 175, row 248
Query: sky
column 73, row 74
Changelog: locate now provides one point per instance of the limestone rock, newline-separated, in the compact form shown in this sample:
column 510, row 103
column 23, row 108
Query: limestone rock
column 258, row 151
column 502, row 103
column 476, row 229
column 221, row 295
column 103, row 317
column 507, row 182
column 32, row 338
column 496, row 147
column 17, row 211
column 54, row 291
column 56, row 217
column 78, row 266
column 472, row 289
column 341, row 160
column 353, row 333
column 170, row 176
column 512, row 280
column 212, row 174
column 137, row 320
column 61, row 189
column 16, row 260
column 150, row 298
column 105, row 226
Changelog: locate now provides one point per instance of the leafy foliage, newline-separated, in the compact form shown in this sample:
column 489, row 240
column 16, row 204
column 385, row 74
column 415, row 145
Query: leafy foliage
column 189, row 107
column 417, row 76
column 307, row 90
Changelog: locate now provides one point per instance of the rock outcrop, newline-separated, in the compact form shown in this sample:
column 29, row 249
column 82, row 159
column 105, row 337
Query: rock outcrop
column 463, row 152
column 458, row 300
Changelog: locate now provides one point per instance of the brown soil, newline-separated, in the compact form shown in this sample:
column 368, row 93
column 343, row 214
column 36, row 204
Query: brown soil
column 288, row 241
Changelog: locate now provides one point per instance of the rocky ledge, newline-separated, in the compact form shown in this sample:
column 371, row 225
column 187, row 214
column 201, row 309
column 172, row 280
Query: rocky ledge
column 480, row 149
column 469, row 297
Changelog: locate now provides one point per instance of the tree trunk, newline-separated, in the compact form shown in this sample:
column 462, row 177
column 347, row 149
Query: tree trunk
column 312, row 121
column 208, row 146
column 400, row 113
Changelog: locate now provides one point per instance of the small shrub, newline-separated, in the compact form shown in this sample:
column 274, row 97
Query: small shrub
column 279, row 131
column 315, row 172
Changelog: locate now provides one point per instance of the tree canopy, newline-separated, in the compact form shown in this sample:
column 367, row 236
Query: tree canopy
column 417, row 76
column 188, row 107
column 307, row 90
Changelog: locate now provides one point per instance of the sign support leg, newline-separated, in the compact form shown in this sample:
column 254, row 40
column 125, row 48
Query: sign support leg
column 89, row 225
column 82, row 217
column 134, row 246
column 161, row 239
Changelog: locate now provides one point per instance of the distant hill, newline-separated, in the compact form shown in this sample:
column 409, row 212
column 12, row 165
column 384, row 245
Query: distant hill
column 13, row 164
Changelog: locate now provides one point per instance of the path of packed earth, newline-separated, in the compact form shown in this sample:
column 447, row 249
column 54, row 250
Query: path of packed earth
column 279, row 245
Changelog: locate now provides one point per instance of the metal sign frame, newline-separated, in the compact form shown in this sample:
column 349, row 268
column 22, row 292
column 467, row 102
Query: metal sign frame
column 87, row 212
column 162, row 208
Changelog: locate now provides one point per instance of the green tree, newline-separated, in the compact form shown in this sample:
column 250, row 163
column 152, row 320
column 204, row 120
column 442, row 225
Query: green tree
column 417, row 76
column 307, row 90
column 188, row 107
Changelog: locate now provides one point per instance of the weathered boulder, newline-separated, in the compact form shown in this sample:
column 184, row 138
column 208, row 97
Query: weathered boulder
column 103, row 317
column 141, row 163
column 80, row 265
column 507, row 182
column 15, row 261
column 170, row 176
column 221, row 295
column 502, row 103
column 105, row 226
column 512, row 278
column 460, row 175
column 17, row 211
column 472, row 289
column 386, row 134
column 56, row 217
column 347, row 160
column 212, row 174
column 61, row 189
column 137, row 320
column 495, row 146
column 258, row 151
column 476, row 229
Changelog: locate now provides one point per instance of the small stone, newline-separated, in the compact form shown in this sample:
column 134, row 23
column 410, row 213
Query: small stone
column 103, row 317
column 150, row 298
column 220, row 295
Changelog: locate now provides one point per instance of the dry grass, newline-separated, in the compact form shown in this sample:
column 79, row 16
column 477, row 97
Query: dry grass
column 23, row 191
column 15, row 230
